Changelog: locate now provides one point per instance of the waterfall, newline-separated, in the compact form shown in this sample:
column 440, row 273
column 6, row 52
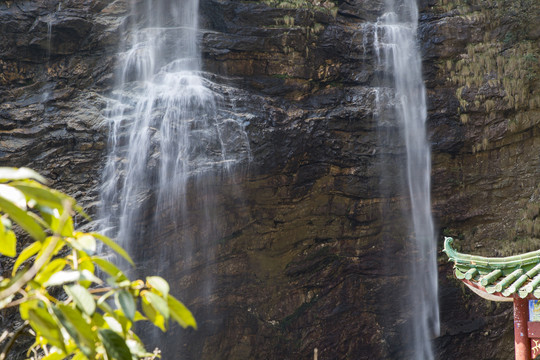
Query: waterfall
column 169, row 147
column 397, row 51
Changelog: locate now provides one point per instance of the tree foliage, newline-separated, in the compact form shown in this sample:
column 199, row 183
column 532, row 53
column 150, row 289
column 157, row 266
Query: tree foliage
column 56, row 284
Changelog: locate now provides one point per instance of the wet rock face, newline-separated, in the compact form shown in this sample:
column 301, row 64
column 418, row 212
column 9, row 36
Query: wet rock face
column 55, row 65
column 310, row 245
column 485, row 152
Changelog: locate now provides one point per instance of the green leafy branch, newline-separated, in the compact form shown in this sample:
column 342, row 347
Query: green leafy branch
column 71, row 311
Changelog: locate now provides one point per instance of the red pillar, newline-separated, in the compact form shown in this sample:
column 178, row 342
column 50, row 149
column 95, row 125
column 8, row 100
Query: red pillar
column 521, row 339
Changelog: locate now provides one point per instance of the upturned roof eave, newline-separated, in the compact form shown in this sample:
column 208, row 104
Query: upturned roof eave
column 481, row 291
column 498, row 279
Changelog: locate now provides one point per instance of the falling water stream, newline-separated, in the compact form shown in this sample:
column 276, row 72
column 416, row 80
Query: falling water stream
column 168, row 146
column 166, row 136
column 395, row 35
column 163, row 124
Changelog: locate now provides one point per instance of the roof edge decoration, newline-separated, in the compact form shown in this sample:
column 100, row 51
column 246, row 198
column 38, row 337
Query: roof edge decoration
column 497, row 278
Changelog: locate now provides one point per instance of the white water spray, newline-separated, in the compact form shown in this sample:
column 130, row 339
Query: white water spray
column 169, row 150
column 395, row 36
column 163, row 124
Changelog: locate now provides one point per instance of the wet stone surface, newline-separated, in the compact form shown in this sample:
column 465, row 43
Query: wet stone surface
column 311, row 241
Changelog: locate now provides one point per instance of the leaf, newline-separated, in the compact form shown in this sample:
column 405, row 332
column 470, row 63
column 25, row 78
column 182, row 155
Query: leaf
column 45, row 245
column 124, row 300
column 8, row 242
column 87, row 268
column 138, row 316
column 27, row 253
column 87, row 242
column 39, row 219
column 26, row 306
column 62, row 277
column 76, row 318
column 159, row 284
column 123, row 320
column 23, row 219
column 85, row 263
column 155, row 317
column 6, row 222
column 45, row 326
column 47, row 197
column 158, row 303
column 79, row 356
column 82, row 298
column 12, row 173
column 43, row 195
column 77, row 327
column 114, row 345
column 114, row 324
column 59, row 245
column 97, row 320
column 87, row 276
column 49, row 214
column 109, row 268
column 181, row 313
column 67, row 229
column 117, row 248
column 53, row 356
column 51, row 218
column 137, row 348
column 14, row 195
column 104, row 305
column 52, row 268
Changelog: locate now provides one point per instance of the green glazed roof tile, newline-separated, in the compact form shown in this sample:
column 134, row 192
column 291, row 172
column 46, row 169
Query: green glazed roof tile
column 471, row 273
column 508, row 276
column 491, row 277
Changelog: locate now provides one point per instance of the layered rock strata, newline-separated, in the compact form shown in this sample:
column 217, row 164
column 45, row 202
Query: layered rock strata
column 313, row 236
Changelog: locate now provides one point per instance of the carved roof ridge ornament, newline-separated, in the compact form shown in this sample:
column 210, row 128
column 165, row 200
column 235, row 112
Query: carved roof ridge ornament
column 520, row 260
column 497, row 278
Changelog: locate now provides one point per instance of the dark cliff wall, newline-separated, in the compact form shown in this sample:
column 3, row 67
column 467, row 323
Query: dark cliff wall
column 56, row 60
column 312, row 255
column 50, row 107
column 481, row 65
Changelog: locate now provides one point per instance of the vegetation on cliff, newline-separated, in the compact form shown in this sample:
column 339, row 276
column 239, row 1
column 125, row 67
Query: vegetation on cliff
column 65, row 305
column 500, row 72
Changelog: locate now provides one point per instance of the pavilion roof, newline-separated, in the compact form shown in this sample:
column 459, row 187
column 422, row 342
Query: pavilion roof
column 502, row 277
